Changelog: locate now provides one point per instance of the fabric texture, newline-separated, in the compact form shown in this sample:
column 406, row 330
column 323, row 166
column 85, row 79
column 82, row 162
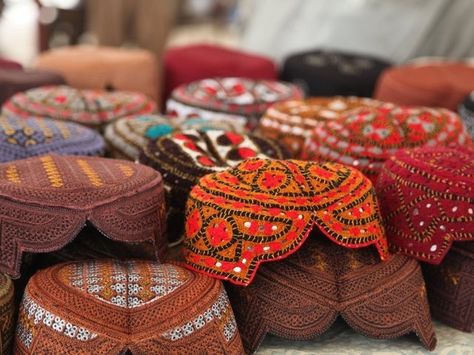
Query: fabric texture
column 107, row 68
column 184, row 157
column 439, row 84
column 301, row 297
column 201, row 61
column 291, row 122
column 129, row 135
column 327, row 73
column 14, row 81
column 109, row 307
column 366, row 138
column 263, row 210
column 9, row 64
column 92, row 108
column 7, row 312
column 236, row 99
column 466, row 111
column 426, row 198
column 45, row 201
column 450, row 286
column 22, row 138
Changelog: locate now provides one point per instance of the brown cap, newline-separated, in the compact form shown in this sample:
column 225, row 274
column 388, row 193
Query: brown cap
column 7, row 311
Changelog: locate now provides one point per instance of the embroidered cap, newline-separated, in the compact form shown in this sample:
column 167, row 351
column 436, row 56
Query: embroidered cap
column 300, row 297
column 426, row 197
column 46, row 201
column 110, row 307
column 263, row 210
column 129, row 135
column 7, row 314
column 90, row 107
column 234, row 99
column 291, row 122
column 26, row 137
column 184, row 157
column 367, row 137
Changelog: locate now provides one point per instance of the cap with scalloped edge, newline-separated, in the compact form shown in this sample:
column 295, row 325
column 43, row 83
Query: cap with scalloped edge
column 263, row 210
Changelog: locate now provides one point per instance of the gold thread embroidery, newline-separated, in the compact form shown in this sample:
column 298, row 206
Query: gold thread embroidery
column 54, row 176
column 89, row 171
column 13, row 175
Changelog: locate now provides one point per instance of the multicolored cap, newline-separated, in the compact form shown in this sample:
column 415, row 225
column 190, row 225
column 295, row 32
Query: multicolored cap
column 27, row 137
column 366, row 138
column 47, row 200
column 89, row 107
column 263, row 210
column 111, row 307
column 426, row 197
column 300, row 297
column 291, row 122
column 237, row 99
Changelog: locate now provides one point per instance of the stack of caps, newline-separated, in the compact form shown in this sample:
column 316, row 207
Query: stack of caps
column 26, row 137
column 92, row 108
column 127, row 136
column 466, row 111
column 427, row 200
column 184, row 157
column 427, row 83
column 327, row 73
column 365, row 138
column 241, row 101
column 292, row 122
column 264, row 210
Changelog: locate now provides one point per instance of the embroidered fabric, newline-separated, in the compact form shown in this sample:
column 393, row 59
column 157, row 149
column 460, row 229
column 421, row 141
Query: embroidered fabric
column 7, row 311
column 466, row 111
column 300, row 297
column 90, row 107
column 263, row 210
column 291, row 122
column 26, row 137
column 426, row 197
column 450, row 286
column 46, row 201
column 235, row 99
column 108, row 306
column 183, row 157
column 127, row 136
column 367, row 137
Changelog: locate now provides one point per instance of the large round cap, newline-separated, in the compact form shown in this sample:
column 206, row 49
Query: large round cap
column 89, row 107
column 45, row 201
column 109, row 307
column 263, row 210
column 426, row 198
column 27, row 137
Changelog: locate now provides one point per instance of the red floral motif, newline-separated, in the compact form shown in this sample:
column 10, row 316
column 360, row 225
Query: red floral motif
column 219, row 232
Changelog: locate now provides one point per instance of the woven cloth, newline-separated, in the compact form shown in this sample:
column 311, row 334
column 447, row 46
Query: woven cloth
column 291, row 122
column 45, row 201
column 264, row 210
column 130, row 69
column 109, row 307
column 7, row 311
column 184, row 157
column 440, row 84
column 127, row 136
column 13, row 81
column 234, row 99
column 426, row 197
column 300, row 297
column 450, row 286
column 367, row 137
column 326, row 73
column 89, row 107
column 22, row 138
column 466, row 111
column 201, row 61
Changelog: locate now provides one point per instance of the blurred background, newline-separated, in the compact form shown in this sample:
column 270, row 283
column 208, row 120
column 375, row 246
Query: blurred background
column 394, row 30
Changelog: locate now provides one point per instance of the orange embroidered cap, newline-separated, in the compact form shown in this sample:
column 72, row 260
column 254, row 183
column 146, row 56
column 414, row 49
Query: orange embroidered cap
column 263, row 210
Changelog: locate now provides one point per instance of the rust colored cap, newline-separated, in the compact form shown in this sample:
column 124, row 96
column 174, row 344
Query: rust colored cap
column 45, row 201
column 263, row 210
column 109, row 307
column 7, row 314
